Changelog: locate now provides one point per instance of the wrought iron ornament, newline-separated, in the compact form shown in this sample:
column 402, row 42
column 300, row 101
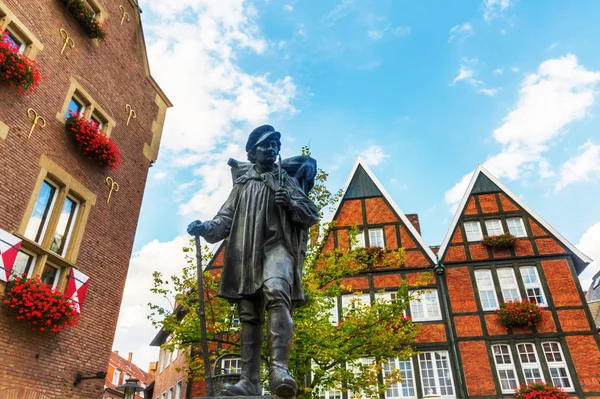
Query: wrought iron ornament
column 124, row 15
column 37, row 120
column 67, row 39
column 113, row 187
column 131, row 114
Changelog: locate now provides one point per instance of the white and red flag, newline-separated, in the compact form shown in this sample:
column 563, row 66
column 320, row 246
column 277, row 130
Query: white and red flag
column 9, row 249
column 77, row 286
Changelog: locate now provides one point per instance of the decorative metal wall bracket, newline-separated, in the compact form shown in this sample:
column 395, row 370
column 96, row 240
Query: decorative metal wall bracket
column 37, row 120
column 124, row 15
column 79, row 377
column 68, row 40
column 131, row 112
column 114, row 187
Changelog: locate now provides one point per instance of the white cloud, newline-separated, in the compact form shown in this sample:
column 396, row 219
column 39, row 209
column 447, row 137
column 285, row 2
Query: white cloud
column 559, row 93
column 288, row 7
column 134, row 330
column 553, row 46
column 461, row 30
column 464, row 73
column 488, row 92
column 497, row 71
column 583, row 167
column 514, row 69
column 342, row 9
column 373, row 155
column 401, row 30
column 494, row 8
column 375, row 34
column 545, row 170
column 588, row 244
column 160, row 175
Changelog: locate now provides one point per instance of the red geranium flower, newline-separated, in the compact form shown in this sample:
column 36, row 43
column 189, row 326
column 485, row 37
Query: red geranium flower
column 19, row 71
column 92, row 141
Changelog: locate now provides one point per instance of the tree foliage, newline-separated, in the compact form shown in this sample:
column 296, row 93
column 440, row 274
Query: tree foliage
column 348, row 355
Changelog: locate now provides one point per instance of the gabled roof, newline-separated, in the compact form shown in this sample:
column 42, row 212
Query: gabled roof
column 483, row 181
column 362, row 183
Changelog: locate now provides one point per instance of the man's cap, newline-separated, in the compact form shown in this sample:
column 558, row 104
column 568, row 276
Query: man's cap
column 259, row 135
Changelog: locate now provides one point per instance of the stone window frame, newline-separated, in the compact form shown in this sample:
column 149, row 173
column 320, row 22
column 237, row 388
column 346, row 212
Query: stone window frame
column 8, row 20
column 91, row 106
column 68, row 185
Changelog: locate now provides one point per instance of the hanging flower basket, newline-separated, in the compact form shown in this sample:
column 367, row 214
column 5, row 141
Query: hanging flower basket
column 44, row 308
column 19, row 71
column 540, row 390
column 523, row 313
column 86, row 18
column 505, row 240
column 92, row 142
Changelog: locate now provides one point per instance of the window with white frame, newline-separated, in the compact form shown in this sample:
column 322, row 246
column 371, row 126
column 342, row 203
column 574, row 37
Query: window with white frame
column 178, row 390
column 436, row 375
column 486, row 289
column 530, row 363
column 66, row 221
column 164, row 395
column 376, row 238
column 426, row 306
column 170, row 395
column 494, row 227
column 473, row 231
column 350, row 301
column 596, row 282
column 508, row 284
column 406, row 387
column 24, row 264
column 333, row 311
column 557, row 366
column 533, row 286
column 367, row 364
column 333, row 394
column 505, row 368
column 360, row 240
column 231, row 365
column 42, row 210
column 516, row 227
column 116, row 377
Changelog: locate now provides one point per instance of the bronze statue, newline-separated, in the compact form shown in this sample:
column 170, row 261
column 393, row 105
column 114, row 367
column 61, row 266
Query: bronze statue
column 266, row 220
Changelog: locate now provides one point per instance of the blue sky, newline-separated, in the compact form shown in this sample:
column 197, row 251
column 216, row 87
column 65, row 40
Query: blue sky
column 425, row 91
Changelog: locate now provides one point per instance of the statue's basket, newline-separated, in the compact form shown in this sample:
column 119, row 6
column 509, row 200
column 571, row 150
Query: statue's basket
column 221, row 378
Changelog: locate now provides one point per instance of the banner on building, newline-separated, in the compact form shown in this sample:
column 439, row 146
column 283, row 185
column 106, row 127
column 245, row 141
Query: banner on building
column 9, row 249
column 77, row 286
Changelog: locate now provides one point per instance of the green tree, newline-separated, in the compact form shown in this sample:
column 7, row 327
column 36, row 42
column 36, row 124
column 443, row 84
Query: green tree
column 324, row 356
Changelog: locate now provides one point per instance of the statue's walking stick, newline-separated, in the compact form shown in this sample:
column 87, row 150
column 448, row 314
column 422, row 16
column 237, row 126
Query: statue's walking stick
column 202, row 317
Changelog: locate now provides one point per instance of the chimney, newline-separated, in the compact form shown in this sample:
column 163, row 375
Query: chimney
column 414, row 220
column 129, row 357
column 116, row 352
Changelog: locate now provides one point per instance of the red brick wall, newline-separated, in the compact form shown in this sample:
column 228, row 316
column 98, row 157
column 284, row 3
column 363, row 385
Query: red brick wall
column 507, row 205
column 378, row 211
column 488, row 204
column 391, row 242
column 387, row 281
column 169, row 378
column 456, row 254
column 560, row 281
column 471, row 208
column 548, row 246
column 468, row 326
column 586, row 357
column 350, row 214
column 417, row 259
column 573, row 320
column 478, row 252
column 113, row 74
column 355, row 283
column 432, row 333
column 494, row 326
column 547, row 323
column 477, row 370
column 405, row 239
column 460, row 290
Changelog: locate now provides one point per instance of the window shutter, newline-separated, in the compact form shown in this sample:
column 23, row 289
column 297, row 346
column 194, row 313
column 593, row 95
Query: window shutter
column 77, row 286
column 9, row 249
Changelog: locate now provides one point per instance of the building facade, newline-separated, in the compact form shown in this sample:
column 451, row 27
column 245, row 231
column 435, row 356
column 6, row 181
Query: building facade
column 72, row 219
column 119, row 371
column 464, row 350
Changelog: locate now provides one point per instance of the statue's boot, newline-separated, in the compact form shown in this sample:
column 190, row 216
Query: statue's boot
column 249, row 383
column 280, row 329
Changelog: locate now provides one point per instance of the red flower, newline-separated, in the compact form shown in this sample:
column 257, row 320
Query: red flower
column 539, row 390
column 41, row 305
column 523, row 313
column 19, row 71
column 86, row 17
column 92, row 142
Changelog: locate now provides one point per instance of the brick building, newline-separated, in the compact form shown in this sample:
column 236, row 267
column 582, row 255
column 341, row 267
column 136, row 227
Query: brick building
column 593, row 298
column 465, row 352
column 169, row 380
column 119, row 371
column 54, row 199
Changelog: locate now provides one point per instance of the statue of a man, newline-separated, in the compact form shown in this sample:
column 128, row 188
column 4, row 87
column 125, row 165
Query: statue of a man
column 265, row 219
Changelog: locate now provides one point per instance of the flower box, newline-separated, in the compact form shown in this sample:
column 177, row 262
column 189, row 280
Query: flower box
column 19, row 71
column 92, row 141
column 44, row 308
column 505, row 240
column 86, row 18
column 540, row 390
column 523, row 313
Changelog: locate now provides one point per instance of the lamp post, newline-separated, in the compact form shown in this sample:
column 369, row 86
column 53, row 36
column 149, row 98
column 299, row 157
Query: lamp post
column 130, row 388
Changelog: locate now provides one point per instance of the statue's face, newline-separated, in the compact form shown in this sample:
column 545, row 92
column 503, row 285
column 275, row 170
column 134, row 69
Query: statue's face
column 265, row 152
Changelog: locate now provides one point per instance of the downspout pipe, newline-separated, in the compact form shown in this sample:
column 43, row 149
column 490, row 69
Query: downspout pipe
column 439, row 271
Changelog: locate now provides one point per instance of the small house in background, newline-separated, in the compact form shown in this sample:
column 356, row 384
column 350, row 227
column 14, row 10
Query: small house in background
column 119, row 371
column 593, row 299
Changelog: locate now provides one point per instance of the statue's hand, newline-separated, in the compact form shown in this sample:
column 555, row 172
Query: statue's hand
column 196, row 228
column 283, row 198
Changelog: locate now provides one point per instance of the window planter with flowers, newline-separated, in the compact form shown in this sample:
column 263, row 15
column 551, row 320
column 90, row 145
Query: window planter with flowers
column 86, row 18
column 92, row 141
column 518, row 314
column 44, row 308
column 540, row 390
column 505, row 240
column 19, row 71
